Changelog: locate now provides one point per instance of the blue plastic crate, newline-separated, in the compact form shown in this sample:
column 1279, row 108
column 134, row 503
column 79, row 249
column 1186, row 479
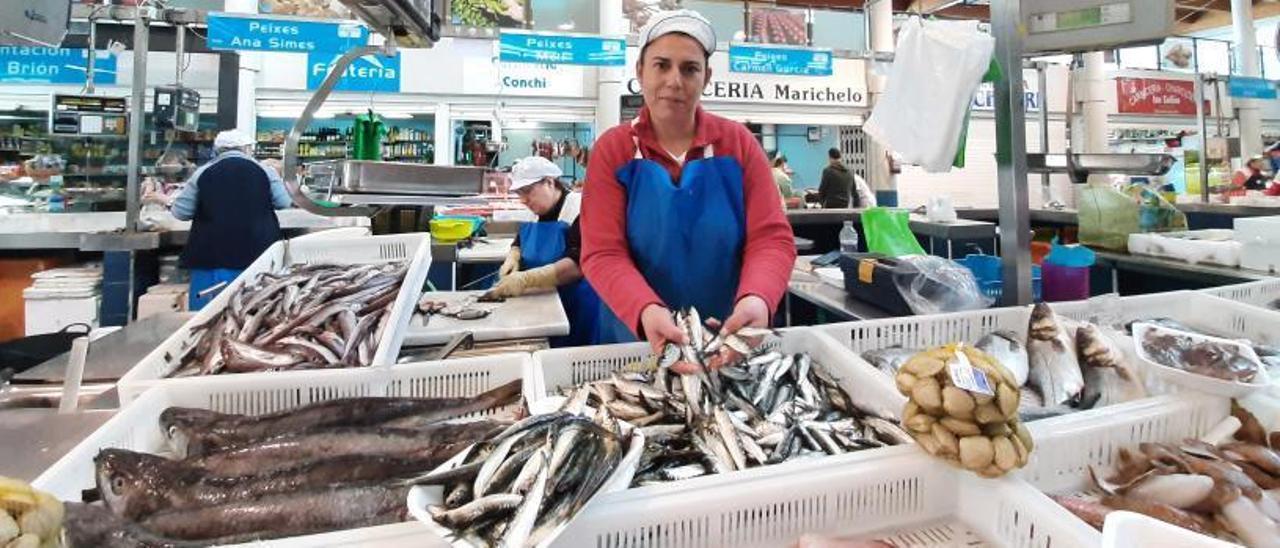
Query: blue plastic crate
column 986, row 269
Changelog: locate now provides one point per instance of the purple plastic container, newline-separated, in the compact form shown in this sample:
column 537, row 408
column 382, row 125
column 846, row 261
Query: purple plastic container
column 1064, row 283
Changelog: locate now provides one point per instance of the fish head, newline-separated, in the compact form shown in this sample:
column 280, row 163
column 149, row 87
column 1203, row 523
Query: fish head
column 134, row 484
column 1043, row 324
column 177, row 422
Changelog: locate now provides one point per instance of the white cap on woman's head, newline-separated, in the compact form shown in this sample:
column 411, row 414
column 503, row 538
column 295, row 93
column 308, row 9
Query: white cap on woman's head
column 687, row 22
column 530, row 170
column 232, row 138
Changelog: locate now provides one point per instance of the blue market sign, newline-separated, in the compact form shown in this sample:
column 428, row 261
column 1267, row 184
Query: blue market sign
column 791, row 61
column 368, row 73
column 40, row 65
column 565, row 49
column 246, row 32
column 1244, row 87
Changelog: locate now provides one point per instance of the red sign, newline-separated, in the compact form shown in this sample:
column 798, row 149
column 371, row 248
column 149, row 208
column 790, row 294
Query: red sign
column 1155, row 96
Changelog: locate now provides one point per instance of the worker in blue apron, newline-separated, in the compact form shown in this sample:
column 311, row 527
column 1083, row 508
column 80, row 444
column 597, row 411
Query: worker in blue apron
column 231, row 203
column 545, row 254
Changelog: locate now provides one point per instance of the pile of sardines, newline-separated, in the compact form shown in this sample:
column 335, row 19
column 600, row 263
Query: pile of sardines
column 744, row 407
column 333, row 465
column 311, row 316
column 518, row 487
column 1224, row 484
column 1061, row 366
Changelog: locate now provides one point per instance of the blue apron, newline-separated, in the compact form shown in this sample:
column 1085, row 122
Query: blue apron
column 543, row 243
column 687, row 240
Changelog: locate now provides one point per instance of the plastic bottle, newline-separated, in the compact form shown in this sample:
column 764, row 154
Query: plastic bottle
column 848, row 238
column 57, row 202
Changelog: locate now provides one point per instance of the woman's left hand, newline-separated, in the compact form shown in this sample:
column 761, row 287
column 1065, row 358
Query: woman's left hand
column 751, row 311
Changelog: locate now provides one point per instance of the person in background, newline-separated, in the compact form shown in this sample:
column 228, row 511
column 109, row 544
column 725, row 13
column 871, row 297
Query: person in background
column 680, row 208
column 546, row 253
column 1250, row 176
column 231, row 203
column 841, row 188
column 1273, row 158
column 782, row 177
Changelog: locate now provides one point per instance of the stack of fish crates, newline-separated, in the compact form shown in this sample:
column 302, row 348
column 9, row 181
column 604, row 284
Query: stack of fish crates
column 415, row 249
column 136, row 427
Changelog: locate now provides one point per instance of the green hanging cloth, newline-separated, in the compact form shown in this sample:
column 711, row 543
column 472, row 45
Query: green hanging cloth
column 367, row 136
column 993, row 74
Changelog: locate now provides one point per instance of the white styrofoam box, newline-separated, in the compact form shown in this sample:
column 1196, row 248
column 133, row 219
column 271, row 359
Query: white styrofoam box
column 136, row 426
column 1213, row 246
column 1260, row 238
column 1262, row 293
column 50, row 310
column 162, row 299
column 1133, row 530
column 904, row 496
column 414, row 248
column 566, row 367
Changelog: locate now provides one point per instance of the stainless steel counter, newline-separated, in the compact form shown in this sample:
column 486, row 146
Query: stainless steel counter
column 1210, row 274
column 114, row 354
column 97, row 230
column 806, row 285
column 36, row 438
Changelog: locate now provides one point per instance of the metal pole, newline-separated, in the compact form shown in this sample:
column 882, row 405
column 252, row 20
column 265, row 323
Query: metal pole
column 91, row 60
column 137, row 114
column 180, row 48
column 1203, row 126
column 1042, row 87
column 1011, row 154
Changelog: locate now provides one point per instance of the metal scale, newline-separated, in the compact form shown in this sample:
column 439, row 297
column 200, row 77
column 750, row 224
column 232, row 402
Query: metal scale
column 356, row 188
column 1031, row 27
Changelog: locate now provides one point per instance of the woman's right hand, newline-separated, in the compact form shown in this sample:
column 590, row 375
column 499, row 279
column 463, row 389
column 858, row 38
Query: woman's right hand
column 658, row 327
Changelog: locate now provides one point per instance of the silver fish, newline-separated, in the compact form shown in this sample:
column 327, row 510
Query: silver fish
column 1054, row 370
column 1007, row 349
column 1108, row 375
column 889, row 359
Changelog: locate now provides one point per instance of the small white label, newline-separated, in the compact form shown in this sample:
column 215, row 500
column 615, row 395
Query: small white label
column 965, row 377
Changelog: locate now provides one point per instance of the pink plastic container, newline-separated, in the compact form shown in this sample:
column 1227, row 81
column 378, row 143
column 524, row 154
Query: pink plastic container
column 1065, row 283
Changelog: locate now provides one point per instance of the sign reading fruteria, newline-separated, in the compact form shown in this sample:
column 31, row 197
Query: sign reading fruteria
column 790, row 61
column 247, row 32
column 41, row 65
column 565, row 49
column 368, row 73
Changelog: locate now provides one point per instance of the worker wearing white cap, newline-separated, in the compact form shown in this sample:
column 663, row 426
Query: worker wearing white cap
column 546, row 253
column 680, row 208
column 231, row 203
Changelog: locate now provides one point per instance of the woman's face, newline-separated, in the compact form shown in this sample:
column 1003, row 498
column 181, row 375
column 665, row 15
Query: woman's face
column 672, row 74
column 539, row 197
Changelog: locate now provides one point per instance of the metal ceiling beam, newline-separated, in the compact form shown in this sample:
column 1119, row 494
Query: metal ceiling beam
column 1217, row 19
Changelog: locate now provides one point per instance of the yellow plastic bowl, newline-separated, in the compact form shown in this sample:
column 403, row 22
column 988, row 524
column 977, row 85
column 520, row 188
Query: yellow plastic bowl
column 451, row 230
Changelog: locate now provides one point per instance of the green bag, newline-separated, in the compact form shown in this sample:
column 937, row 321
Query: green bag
column 889, row 232
column 367, row 136
column 1108, row 216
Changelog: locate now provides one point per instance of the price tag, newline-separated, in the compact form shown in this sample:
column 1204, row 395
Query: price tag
column 966, row 377
column 866, row 270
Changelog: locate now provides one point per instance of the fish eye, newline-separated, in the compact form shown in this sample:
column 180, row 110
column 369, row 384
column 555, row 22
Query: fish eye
column 117, row 484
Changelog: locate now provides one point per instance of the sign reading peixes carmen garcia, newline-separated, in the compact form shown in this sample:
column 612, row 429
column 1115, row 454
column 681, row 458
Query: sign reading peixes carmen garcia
column 1156, row 96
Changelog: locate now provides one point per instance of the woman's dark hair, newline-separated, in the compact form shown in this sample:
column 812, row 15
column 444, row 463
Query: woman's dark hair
column 777, row 162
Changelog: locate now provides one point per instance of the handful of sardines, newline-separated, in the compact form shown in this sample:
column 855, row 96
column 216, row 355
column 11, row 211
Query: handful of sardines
column 227, row 478
column 756, row 408
column 521, row 486
column 962, row 406
column 311, row 316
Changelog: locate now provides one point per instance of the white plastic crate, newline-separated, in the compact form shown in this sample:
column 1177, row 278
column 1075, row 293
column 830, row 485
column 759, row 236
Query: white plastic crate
column 136, row 426
column 1192, row 308
column 903, row 496
column 929, row 331
column 415, row 248
column 1067, row 446
column 564, row 367
column 1260, row 293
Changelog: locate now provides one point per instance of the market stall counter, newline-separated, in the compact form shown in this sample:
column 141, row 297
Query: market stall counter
column 953, row 239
